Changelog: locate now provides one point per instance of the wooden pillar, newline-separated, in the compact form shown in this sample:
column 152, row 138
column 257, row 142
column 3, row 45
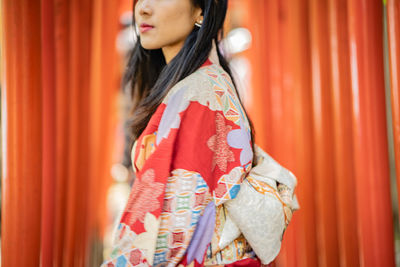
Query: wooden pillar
column 49, row 133
column 104, row 88
column 343, row 161
column 374, row 211
column 62, row 45
column 299, row 247
column 318, row 106
column 59, row 105
column 325, row 184
column 21, row 133
column 393, row 22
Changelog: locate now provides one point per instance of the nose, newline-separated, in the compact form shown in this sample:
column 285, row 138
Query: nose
column 144, row 7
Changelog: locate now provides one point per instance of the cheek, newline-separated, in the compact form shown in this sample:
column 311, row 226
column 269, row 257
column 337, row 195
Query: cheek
column 180, row 14
column 176, row 24
column 175, row 15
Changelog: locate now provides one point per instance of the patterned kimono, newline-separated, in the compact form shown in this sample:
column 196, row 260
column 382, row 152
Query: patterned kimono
column 191, row 158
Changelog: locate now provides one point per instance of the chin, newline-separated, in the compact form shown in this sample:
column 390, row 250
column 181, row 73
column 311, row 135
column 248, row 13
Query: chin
column 149, row 46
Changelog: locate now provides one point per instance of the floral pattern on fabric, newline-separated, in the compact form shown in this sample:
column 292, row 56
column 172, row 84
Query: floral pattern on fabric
column 143, row 198
column 241, row 138
column 189, row 160
column 143, row 241
column 171, row 118
column 218, row 144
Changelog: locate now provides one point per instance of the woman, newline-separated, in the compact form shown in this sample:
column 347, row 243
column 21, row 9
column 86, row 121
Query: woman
column 193, row 141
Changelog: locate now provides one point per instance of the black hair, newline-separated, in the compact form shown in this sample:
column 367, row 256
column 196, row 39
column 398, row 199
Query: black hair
column 148, row 77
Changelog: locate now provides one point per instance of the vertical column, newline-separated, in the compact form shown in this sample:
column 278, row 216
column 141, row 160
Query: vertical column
column 104, row 89
column 49, row 134
column 78, row 135
column 257, row 56
column 62, row 44
column 375, row 226
column 393, row 22
column 325, row 184
column 299, row 247
column 21, row 133
column 59, row 87
column 343, row 162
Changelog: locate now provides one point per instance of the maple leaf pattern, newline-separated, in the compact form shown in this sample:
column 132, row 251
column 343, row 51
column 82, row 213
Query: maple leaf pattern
column 219, row 145
column 143, row 197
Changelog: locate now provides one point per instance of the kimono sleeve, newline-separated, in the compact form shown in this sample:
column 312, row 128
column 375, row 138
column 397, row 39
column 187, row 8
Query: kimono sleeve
column 197, row 161
column 211, row 156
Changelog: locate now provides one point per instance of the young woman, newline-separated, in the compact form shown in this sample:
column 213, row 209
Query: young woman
column 193, row 142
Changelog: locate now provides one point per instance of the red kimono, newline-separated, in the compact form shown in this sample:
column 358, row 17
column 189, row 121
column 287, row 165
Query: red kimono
column 191, row 158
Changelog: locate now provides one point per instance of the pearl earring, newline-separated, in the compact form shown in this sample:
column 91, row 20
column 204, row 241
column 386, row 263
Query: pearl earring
column 198, row 24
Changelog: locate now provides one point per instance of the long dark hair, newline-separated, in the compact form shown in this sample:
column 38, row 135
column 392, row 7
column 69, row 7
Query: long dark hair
column 148, row 77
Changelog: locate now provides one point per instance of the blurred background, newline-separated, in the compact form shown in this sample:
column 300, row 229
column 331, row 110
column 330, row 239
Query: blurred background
column 319, row 78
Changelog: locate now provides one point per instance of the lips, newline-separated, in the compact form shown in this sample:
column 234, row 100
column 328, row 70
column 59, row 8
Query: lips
column 144, row 27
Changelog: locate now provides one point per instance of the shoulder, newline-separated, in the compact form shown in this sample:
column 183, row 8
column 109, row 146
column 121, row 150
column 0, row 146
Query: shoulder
column 210, row 86
column 197, row 86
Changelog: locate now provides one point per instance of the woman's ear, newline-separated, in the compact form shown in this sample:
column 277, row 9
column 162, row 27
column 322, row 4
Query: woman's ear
column 200, row 20
column 198, row 15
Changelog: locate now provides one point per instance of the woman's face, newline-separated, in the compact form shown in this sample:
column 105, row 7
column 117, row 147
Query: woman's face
column 171, row 21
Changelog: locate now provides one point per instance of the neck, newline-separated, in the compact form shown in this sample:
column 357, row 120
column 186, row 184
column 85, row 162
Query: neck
column 171, row 51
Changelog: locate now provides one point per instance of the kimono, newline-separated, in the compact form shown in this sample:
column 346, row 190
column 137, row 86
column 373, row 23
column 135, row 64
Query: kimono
column 191, row 159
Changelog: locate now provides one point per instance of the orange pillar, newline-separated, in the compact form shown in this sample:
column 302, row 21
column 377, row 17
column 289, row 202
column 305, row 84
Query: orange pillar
column 312, row 66
column 48, row 137
column 59, row 92
column 299, row 246
column 393, row 22
column 62, row 102
column 78, row 135
column 104, row 88
column 290, row 107
column 257, row 54
column 325, row 184
column 21, row 133
column 343, row 161
column 374, row 212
